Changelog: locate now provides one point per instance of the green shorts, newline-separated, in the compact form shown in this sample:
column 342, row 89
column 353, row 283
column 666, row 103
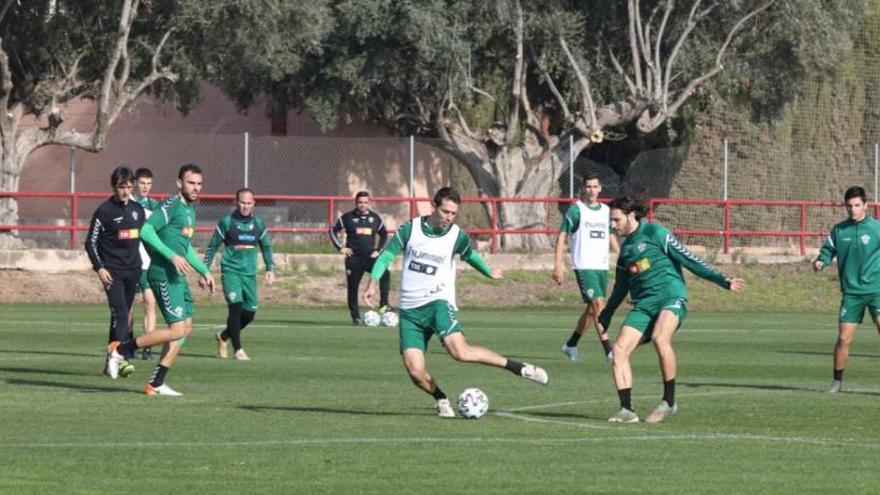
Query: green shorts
column 643, row 316
column 418, row 324
column 852, row 307
column 592, row 283
column 143, row 283
column 240, row 289
column 175, row 299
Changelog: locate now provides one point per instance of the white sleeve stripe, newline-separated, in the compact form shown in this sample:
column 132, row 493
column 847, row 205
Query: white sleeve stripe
column 683, row 250
column 219, row 231
column 264, row 234
column 95, row 233
column 830, row 240
column 165, row 212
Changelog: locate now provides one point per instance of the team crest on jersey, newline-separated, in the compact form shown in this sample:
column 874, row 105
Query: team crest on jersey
column 370, row 219
column 232, row 295
column 641, row 247
column 590, row 293
column 134, row 215
column 865, row 239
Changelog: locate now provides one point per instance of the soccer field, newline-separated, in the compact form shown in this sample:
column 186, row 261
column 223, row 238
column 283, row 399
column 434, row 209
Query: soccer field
column 327, row 408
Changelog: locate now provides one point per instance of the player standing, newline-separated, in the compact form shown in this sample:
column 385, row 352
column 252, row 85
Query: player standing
column 587, row 222
column 143, row 183
column 427, row 296
column 112, row 246
column 168, row 235
column 649, row 268
column 242, row 233
column 361, row 226
column 855, row 243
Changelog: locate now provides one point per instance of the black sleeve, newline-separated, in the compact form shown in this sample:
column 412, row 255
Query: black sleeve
column 96, row 228
column 383, row 233
column 334, row 236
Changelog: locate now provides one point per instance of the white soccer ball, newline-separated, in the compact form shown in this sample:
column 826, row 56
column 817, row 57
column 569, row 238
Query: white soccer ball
column 473, row 403
column 389, row 319
column 372, row 319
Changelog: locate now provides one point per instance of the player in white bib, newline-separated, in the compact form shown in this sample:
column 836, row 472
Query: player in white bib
column 427, row 296
column 587, row 224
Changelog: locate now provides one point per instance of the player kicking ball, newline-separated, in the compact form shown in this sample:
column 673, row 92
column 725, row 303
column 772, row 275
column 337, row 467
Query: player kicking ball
column 427, row 296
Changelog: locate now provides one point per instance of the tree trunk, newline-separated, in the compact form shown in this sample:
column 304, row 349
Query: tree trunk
column 10, row 172
column 523, row 171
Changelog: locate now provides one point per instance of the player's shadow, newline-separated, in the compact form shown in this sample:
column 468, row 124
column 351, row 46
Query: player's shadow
column 774, row 387
column 324, row 410
column 50, row 353
column 828, row 353
column 559, row 415
column 71, row 386
column 43, row 371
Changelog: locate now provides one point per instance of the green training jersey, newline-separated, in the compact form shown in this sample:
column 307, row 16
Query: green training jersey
column 857, row 248
column 147, row 203
column 175, row 225
column 649, row 266
column 242, row 237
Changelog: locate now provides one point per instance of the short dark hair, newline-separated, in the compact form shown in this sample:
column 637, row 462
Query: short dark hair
column 242, row 191
column 121, row 175
column 143, row 173
column 591, row 177
column 189, row 167
column 361, row 194
column 855, row 192
column 446, row 193
column 629, row 204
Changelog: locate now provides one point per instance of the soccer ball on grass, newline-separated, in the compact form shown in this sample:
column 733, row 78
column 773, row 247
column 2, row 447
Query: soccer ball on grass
column 372, row 319
column 389, row 319
column 473, row 403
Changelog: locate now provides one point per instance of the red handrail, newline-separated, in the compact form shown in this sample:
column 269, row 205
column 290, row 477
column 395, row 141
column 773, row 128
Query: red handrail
column 726, row 232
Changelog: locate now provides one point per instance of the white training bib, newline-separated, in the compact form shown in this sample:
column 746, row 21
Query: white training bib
column 145, row 258
column 428, row 268
column 590, row 243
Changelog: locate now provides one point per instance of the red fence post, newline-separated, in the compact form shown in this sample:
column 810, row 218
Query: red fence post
column 651, row 210
column 331, row 213
column 803, row 232
column 74, row 212
column 727, row 227
column 494, row 248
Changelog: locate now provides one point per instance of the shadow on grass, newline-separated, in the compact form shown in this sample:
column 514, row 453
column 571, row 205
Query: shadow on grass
column 43, row 371
column 783, row 388
column 297, row 321
column 51, row 353
column 325, row 410
column 555, row 415
column 829, row 353
column 72, row 386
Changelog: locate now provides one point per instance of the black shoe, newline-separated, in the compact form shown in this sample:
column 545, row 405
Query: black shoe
column 147, row 354
column 357, row 322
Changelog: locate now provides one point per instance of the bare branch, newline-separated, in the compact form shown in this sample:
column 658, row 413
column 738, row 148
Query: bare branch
column 5, row 78
column 633, row 10
column 589, row 106
column 553, row 89
column 629, row 82
column 736, row 27
column 670, row 61
column 518, row 77
column 658, row 64
column 129, row 10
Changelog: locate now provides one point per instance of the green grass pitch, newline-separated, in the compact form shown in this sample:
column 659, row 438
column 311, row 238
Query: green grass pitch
column 327, row 408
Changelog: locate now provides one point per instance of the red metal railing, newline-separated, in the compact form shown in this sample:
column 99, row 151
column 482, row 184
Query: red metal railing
column 726, row 230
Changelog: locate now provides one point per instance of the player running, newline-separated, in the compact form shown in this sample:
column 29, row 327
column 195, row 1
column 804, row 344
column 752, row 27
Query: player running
column 588, row 225
column 112, row 246
column 427, row 296
column 168, row 235
column 649, row 268
column 143, row 183
column 855, row 243
column 242, row 233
